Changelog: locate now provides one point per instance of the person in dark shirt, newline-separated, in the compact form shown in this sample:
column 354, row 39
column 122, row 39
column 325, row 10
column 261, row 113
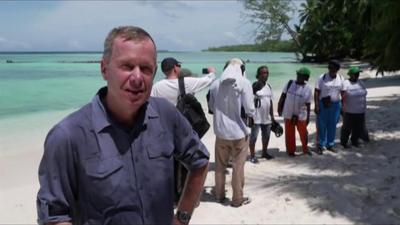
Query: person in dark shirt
column 111, row 162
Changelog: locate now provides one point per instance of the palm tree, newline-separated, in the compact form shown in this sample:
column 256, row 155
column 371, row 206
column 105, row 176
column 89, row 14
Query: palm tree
column 383, row 42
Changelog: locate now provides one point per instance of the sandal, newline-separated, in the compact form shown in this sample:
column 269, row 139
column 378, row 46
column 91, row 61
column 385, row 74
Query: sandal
column 245, row 201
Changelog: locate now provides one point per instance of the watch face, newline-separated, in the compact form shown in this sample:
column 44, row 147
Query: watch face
column 183, row 216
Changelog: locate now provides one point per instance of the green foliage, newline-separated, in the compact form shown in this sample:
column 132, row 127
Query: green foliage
column 330, row 29
column 270, row 16
column 382, row 45
column 333, row 29
column 352, row 28
column 267, row 46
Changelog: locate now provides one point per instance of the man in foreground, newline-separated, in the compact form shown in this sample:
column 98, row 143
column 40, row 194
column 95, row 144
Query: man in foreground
column 228, row 95
column 111, row 162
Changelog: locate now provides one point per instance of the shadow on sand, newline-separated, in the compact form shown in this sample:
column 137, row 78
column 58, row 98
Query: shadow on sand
column 361, row 184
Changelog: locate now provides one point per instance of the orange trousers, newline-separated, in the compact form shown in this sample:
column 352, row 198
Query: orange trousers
column 290, row 135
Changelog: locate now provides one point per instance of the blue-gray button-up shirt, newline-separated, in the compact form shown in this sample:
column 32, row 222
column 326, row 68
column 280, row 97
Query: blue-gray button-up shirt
column 95, row 172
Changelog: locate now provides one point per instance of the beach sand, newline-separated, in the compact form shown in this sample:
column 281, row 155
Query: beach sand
column 356, row 185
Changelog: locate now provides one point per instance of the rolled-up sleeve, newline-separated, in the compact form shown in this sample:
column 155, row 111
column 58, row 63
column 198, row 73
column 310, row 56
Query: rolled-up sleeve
column 55, row 198
column 188, row 147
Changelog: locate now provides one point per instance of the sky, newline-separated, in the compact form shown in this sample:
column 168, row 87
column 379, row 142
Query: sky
column 83, row 25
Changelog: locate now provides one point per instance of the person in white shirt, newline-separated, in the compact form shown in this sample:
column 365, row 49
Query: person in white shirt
column 264, row 114
column 296, row 110
column 169, row 88
column 355, row 107
column 328, row 99
column 228, row 95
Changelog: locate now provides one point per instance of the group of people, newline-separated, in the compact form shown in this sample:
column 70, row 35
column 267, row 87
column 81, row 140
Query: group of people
column 112, row 161
column 333, row 96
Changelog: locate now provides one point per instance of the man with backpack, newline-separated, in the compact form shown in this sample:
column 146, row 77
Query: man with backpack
column 294, row 106
column 180, row 92
column 168, row 88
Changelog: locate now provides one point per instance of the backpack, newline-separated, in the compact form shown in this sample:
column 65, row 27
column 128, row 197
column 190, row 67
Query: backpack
column 191, row 109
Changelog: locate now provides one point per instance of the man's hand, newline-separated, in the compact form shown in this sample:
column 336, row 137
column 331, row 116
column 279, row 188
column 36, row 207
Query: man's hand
column 175, row 221
column 211, row 69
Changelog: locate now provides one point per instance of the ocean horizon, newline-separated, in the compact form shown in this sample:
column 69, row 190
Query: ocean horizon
column 61, row 80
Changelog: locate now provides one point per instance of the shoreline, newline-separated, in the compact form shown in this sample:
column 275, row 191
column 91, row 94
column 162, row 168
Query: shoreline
column 353, row 186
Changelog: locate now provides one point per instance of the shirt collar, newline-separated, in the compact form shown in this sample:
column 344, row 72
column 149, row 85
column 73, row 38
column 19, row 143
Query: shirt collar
column 101, row 119
column 99, row 113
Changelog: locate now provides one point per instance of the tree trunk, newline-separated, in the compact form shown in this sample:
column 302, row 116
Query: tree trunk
column 295, row 38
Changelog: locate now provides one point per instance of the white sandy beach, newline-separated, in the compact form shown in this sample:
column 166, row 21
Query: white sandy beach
column 356, row 185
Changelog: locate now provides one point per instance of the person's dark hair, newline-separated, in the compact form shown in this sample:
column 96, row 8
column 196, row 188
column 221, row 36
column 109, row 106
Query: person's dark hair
column 126, row 32
column 259, row 70
column 335, row 63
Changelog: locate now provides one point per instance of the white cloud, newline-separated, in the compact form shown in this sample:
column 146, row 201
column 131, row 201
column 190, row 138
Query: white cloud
column 9, row 45
column 74, row 44
column 233, row 36
column 175, row 25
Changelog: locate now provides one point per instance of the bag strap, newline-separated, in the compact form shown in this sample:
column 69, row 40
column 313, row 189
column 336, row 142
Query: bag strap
column 288, row 85
column 181, row 82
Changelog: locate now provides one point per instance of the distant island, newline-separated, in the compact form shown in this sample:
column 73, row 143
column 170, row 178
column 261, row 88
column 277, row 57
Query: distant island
column 267, row 46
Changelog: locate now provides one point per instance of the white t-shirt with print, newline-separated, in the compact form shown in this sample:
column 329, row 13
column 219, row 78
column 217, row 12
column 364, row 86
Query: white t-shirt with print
column 330, row 87
column 169, row 88
column 296, row 98
column 262, row 115
column 356, row 97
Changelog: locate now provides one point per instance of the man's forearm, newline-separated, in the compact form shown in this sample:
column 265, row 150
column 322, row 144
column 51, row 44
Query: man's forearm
column 316, row 98
column 193, row 189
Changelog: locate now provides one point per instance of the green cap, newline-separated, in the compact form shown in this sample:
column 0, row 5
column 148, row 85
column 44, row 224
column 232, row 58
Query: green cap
column 304, row 71
column 354, row 70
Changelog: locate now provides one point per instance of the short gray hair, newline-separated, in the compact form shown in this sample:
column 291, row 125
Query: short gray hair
column 126, row 32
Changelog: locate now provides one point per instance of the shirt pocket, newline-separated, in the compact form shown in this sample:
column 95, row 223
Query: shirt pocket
column 104, row 177
column 160, row 155
column 160, row 147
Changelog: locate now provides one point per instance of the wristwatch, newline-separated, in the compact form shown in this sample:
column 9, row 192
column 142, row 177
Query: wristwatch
column 183, row 216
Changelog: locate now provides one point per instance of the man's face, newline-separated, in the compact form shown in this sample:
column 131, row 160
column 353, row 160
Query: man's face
column 332, row 69
column 129, row 73
column 354, row 76
column 263, row 75
column 302, row 78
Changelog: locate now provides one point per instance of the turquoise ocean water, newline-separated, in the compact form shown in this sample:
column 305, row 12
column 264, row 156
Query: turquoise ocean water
column 38, row 89
column 42, row 82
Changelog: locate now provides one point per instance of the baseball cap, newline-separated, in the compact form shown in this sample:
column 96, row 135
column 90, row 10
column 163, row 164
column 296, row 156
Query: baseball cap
column 354, row 70
column 304, row 71
column 168, row 63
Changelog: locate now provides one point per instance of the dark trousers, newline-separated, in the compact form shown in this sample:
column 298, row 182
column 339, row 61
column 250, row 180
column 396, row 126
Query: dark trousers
column 354, row 125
